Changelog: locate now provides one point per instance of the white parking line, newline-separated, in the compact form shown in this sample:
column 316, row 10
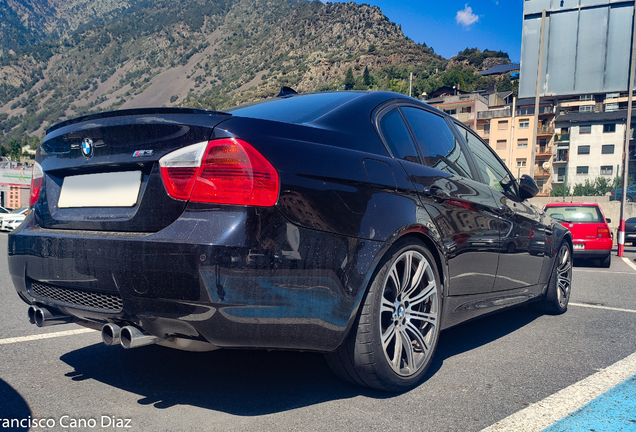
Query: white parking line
column 603, row 271
column 44, row 336
column 602, row 307
column 629, row 263
column 542, row 414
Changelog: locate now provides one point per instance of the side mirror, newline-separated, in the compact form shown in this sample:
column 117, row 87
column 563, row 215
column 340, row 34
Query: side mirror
column 527, row 187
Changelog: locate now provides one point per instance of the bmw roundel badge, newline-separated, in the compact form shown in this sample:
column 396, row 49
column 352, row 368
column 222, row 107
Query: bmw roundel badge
column 87, row 148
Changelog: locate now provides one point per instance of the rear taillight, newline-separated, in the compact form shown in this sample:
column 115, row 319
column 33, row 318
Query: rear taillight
column 36, row 183
column 602, row 231
column 223, row 171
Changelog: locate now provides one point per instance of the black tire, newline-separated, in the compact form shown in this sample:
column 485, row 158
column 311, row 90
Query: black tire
column 557, row 295
column 406, row 319
column 607, row 261
column 629, row 199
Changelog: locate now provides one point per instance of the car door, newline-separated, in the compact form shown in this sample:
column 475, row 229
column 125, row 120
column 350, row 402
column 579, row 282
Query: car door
column 522, row 235
column 460, row 206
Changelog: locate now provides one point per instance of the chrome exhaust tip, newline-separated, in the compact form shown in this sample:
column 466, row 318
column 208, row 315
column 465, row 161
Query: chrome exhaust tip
column 44, row 317
column 31, row 312
column 132, row 337
column 110, row 334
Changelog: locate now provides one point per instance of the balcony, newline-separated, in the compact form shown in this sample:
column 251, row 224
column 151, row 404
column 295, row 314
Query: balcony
column 530, row 110
column 560, row 156
column 545, row 130
column 506, row 112
column 544, row 151
column 540, row 172
column 464, row 117
column 564, row 137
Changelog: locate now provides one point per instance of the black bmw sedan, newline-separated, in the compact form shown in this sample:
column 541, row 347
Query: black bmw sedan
column 357, row 224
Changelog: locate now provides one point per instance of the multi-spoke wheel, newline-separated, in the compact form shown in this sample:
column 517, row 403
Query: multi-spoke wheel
column 560, row 285
column 397, row 330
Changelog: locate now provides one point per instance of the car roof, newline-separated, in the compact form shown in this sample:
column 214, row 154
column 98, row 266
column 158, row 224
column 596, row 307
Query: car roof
column 571, row 204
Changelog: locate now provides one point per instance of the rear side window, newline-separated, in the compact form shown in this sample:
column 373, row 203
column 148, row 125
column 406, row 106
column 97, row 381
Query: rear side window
column 398, row 137
column 440, row 149
column 575, row 214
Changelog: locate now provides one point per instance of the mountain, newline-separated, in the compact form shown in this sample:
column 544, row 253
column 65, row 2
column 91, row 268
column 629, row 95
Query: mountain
column 82, row 56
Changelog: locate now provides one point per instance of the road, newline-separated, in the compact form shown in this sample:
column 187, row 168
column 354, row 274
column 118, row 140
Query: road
column 484, row 371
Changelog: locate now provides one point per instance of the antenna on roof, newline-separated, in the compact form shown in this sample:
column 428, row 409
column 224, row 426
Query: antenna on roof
column 286, row 92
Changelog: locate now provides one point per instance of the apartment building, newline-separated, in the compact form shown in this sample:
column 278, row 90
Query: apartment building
column 511, row 133
column 590, row 139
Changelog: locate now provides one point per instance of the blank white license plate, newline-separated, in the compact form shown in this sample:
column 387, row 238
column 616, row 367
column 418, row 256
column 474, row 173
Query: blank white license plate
column 118, row 189
column 579, row 246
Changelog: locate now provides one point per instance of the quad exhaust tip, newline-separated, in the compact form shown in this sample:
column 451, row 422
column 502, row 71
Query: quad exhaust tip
column 132, row 337
column 43, row 317
column 111, row 334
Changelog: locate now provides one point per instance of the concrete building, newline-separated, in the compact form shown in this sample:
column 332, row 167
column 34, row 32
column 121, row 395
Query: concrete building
column 589, row 143
column 464, row 107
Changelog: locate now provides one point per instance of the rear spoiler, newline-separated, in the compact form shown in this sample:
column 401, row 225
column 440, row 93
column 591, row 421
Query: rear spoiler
column 132, row 112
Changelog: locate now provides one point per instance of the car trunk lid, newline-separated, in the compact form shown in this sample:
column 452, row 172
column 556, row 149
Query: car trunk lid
column 101, row 172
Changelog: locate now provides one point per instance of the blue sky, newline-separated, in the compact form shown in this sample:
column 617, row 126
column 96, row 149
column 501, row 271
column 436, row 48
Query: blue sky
column 449, row 26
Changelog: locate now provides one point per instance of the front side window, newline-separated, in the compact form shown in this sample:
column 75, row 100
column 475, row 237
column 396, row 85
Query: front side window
column 439, row 147
column 398, row 137
column 493, row 172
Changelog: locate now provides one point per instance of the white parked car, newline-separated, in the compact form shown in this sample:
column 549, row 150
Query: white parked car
column 11, row 220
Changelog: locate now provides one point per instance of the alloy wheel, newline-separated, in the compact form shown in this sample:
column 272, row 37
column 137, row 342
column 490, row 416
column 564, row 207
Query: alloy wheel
column 409, row 313
column 564, row 275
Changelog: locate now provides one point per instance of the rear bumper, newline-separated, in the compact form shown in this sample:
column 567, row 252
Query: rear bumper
column 234, row 277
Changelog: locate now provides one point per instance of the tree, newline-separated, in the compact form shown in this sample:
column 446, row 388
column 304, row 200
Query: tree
column 366, row 78
column 349, row 81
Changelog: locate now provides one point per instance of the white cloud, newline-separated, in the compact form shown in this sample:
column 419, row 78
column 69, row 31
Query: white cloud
column 466, row 17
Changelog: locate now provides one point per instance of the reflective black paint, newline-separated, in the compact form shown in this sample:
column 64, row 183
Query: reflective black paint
column 292, row 276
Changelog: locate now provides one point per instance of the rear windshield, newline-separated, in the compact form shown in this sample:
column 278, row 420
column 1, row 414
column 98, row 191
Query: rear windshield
column 296, row 109
column 575, row 214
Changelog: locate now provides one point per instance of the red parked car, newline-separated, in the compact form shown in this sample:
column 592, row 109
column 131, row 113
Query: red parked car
column 591, row 235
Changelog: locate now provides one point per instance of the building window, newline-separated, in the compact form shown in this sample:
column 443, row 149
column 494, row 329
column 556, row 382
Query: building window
column 451, row 111
column 522, row 143
column 611, row 107
column 586, row 97
column 585, row 129
column 607, row 170
column 584, row 149
column 582, row 169
column 501, row 144
column 524, row 124
column 521, row 163
column 586, row 108
column 502, row 125
column 609, row 128
column 612, row 95
column 607, row 149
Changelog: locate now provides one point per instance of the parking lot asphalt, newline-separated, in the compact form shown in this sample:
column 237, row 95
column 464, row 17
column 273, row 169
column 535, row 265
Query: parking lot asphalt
column 484, row 372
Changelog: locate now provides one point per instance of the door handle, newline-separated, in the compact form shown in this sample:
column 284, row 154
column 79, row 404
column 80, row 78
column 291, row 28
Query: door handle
column 436, row 193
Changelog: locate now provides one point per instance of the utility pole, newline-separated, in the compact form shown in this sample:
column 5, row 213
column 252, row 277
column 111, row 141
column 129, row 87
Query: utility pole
column 628, row 136
column 533, row 150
